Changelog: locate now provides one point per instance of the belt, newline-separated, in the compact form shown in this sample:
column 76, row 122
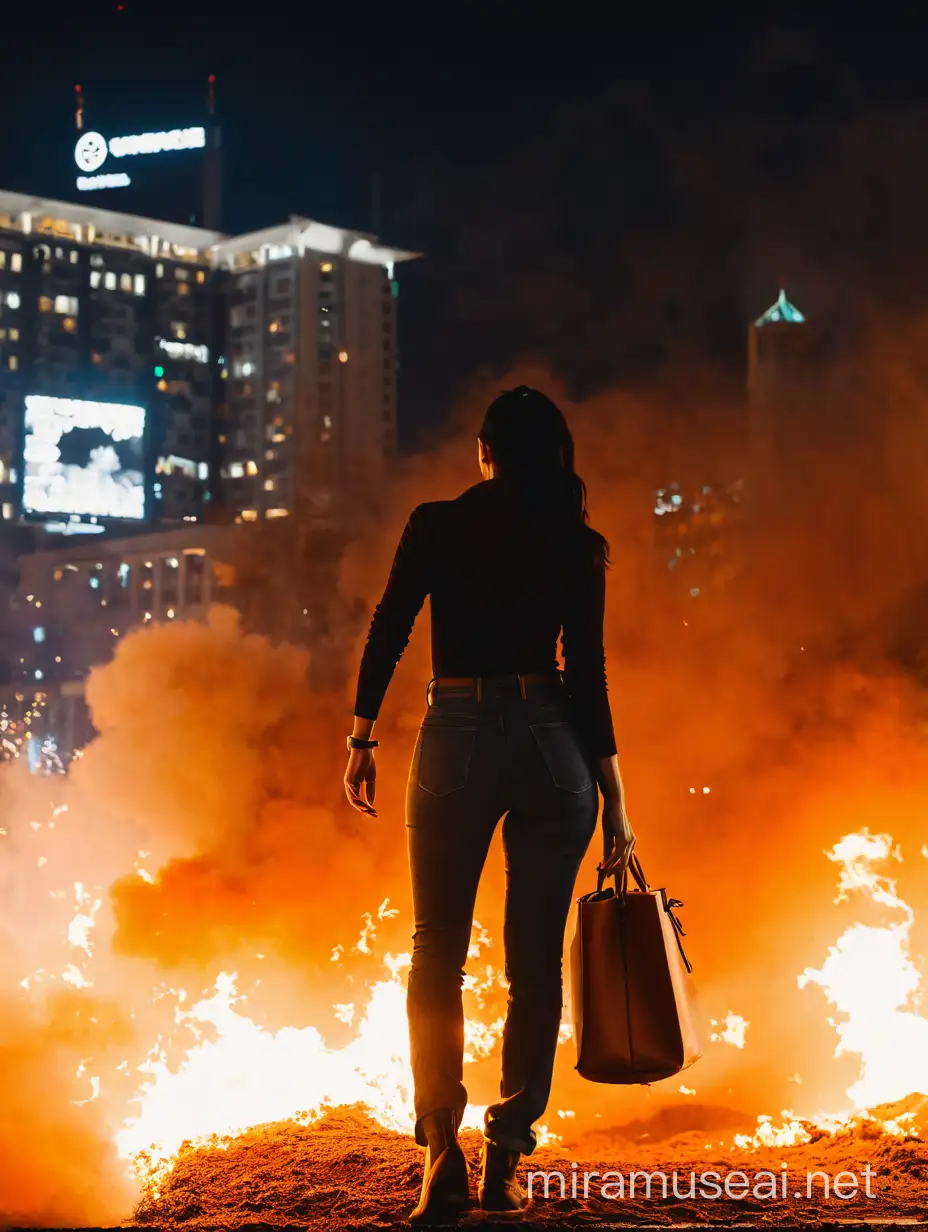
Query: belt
column 475, row 683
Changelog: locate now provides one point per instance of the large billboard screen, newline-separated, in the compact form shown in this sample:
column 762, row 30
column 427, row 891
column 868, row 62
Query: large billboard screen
column 83, row 458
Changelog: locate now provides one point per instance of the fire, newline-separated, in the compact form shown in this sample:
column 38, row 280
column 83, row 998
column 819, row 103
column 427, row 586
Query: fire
column 246, row 1076
column 870, row 978
column 238, row 1075
column 731, row 1030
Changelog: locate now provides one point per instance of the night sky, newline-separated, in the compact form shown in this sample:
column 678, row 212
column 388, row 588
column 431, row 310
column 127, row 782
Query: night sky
column 616, row 195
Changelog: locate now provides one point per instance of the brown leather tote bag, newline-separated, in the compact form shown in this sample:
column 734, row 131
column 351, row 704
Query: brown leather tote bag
column 631, row 989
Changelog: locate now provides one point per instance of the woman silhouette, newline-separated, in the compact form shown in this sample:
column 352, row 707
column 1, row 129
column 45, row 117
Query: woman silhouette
column 509, row 566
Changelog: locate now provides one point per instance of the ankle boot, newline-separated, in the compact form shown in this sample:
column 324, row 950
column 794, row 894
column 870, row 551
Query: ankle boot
column 499, row 1190
column 446, row 1182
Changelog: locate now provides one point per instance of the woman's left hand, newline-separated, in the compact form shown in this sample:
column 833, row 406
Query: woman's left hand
column 361, row 773
column 616, row 824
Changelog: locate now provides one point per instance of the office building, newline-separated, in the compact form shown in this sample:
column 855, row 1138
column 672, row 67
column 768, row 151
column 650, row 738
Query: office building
column 696, row 533
column 77, row 598
column 253, row 376
column 100, row 308
column 789, row 361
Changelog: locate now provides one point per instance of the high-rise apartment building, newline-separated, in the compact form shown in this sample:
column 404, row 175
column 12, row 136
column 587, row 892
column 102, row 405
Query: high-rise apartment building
column 308, row 371
column 259, row 371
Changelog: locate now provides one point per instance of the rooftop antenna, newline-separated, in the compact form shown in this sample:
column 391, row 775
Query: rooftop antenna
column 78, row 108
column 212, row 166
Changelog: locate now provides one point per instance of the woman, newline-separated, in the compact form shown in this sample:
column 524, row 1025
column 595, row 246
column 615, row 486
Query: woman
column 509, row 566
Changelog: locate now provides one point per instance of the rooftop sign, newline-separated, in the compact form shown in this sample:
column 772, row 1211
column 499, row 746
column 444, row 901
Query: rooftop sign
column 92, row 149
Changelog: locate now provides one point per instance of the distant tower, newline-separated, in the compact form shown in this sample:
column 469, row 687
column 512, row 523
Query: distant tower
column 212, row 163
column 787, row 358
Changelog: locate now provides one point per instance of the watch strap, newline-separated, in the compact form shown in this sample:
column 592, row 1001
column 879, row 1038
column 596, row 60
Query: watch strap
column 355, row 742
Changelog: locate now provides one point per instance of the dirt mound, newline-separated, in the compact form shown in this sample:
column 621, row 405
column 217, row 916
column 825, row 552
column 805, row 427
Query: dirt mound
column 345, row 1172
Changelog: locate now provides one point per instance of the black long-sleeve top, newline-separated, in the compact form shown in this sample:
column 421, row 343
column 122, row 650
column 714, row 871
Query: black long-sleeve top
column 502, row 590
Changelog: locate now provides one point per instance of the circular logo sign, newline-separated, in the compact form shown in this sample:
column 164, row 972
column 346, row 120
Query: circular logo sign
column 90, row 151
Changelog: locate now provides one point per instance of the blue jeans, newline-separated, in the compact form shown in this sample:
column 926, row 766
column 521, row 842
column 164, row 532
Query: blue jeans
column 476, row 761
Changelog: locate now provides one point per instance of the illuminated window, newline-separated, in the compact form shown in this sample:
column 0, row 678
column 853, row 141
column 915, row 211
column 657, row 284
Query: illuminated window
column 343, row 357
column 46, row 303
column 109, row 280
column 73, row 256
column 276, row 513
column 249, row 515
column 38, row 634
column 94, row 278
column 269, row 485
column 179, row 330
column 7, row 510
column 16, row 262
column 251, row 468
column 12, row 362
column 125, row 282
column 201, row 276
column 70, row 325
column 2, row 258
column 66, row 304
column 139, row 284
column 183, row 288
column 159, row 270
column 13, row 334
column 326, row 267
column 236, row 470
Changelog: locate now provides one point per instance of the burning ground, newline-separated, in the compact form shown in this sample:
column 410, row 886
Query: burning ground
column 348, row 1172
column 201, row 939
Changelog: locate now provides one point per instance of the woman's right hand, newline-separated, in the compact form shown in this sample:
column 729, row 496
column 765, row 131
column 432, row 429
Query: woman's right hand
column 616, row 824
column 361, row 775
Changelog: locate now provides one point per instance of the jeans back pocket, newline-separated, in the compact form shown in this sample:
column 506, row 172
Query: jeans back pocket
column 444, row 757
column 563, row 756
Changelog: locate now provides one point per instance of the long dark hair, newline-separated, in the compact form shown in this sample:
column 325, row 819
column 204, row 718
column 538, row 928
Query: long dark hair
column 533, row 455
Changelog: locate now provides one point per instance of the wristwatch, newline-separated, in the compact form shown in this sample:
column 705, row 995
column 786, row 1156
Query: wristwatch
column 355, row 742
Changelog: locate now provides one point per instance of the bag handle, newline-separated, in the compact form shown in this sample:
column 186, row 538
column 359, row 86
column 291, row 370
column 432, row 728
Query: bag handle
column 621, row 888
